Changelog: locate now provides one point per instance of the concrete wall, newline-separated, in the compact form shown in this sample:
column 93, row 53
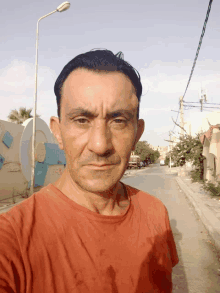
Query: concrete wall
column 13, row 175
column 211, row 151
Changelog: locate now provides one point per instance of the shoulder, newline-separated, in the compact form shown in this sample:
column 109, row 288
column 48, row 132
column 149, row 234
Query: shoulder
column 148, row 207
column 144, row 198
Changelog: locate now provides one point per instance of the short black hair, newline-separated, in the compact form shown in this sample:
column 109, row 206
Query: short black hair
column 101, row 61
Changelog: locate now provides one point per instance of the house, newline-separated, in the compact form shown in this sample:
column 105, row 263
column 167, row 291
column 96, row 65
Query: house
column 211, row 151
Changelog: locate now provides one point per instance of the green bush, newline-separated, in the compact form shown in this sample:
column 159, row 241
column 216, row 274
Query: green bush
column 189, row 149
column 167, row 160
column 145, row 152
column 197, row 175
column 214, row 189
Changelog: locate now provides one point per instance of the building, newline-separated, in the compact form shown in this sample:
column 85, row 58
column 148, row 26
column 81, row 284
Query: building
column 163, row 150
column 211, row 151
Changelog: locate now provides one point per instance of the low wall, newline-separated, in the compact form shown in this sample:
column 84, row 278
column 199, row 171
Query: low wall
column 15, row 158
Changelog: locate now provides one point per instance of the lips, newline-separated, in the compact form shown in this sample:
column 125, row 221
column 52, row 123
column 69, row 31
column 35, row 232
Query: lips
column 100, row 166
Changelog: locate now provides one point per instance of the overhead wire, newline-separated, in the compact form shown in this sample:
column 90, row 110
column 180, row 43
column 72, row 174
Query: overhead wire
column 200, row 43
column 199, row 103
column 197, row 53
column 203, row 107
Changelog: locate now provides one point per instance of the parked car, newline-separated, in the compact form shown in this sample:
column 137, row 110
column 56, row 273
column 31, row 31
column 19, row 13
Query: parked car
column 134, row 162
column 145, row 163
column 141, row 164
column 162, row 163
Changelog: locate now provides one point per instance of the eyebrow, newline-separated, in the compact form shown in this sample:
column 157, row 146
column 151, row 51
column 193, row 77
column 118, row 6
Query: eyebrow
column 90, row 114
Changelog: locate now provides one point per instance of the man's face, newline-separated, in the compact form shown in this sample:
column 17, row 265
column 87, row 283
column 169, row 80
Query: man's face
column 98, row 127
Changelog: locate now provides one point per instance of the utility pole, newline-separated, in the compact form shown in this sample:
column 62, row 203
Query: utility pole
column 202, row 97
column 170, row 148
column 181, row 116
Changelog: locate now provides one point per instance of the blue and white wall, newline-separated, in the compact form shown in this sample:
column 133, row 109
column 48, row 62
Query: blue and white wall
column 15, row 156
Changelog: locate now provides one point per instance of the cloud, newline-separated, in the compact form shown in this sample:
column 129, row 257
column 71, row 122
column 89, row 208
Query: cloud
column 171, row 78
column 17, row 77
column 147, row 111
column 18, row 85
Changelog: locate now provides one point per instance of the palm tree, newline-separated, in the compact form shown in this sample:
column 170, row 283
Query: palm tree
column 19, row 116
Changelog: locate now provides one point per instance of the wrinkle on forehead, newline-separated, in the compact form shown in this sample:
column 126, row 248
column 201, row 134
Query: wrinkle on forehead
column 100, row 92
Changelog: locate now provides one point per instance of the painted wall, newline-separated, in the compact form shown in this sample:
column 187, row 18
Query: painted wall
column 15, row 157
column 211, row 151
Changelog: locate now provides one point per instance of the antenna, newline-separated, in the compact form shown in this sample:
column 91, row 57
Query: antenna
column 204, row 95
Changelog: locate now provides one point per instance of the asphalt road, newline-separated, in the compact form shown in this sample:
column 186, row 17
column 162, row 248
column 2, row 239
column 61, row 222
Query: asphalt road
column 199, row 268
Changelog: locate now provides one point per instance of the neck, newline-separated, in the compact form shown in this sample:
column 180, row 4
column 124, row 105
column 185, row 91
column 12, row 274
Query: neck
column 110, row 202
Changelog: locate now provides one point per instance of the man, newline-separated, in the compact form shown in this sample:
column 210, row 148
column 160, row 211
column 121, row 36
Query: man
column 88, row 232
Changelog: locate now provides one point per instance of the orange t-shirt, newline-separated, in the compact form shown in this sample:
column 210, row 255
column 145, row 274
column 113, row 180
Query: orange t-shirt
column 48, row 243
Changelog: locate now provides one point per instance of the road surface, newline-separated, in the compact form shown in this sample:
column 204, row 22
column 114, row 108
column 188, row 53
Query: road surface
column 198, row 270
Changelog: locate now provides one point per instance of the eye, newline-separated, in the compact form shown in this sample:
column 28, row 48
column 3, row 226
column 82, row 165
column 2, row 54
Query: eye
column 118, row 121
column 81, row 121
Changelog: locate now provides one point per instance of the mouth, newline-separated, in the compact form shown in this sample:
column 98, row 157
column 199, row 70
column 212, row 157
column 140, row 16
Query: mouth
column 100, row 166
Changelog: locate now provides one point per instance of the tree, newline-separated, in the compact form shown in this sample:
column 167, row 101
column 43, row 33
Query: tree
column 145, row 152
column 156, row 155
column 189, row 149
column 19, row 116
column 141, row 150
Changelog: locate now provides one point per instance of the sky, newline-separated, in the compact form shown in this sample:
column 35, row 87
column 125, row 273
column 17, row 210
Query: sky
column 159, row 38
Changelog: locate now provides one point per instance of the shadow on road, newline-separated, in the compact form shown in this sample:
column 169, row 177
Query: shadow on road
column 179, row 275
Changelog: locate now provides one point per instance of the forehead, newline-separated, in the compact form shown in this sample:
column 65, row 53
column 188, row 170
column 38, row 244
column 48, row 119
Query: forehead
column 90, row 88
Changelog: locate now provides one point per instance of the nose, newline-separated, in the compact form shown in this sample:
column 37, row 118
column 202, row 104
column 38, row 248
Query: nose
column 100, row 139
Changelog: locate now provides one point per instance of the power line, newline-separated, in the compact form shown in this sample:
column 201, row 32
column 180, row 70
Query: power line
column 191, row 102
column 203, row 107
column 200, row 43
column 212, row 104
column 199, row 103
column 197, row 53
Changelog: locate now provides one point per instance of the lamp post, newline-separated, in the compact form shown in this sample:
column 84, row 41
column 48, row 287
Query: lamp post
column 62, row 7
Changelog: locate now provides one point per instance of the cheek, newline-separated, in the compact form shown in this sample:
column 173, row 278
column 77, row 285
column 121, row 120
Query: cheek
column 73, row 145
column 123, row 144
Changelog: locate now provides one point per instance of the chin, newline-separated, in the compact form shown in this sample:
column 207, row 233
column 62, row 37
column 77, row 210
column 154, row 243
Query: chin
column 96, row 186
column 98, row 181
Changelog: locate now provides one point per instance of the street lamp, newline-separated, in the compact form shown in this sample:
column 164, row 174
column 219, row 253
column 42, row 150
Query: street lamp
column 62, row 7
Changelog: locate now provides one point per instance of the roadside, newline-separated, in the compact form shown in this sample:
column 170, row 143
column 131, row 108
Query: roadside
column 206, row 206
column 132, row 172
column 4, row 207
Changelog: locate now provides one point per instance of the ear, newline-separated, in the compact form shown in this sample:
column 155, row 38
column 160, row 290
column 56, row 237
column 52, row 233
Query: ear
column 140, row 130
column 55, row 128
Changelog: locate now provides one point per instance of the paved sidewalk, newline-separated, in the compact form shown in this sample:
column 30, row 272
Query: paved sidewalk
column 206, row 206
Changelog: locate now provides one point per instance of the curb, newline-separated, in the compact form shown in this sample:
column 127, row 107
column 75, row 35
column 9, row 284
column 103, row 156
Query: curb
column 132, row 172
column 174, row 173
column 210, row 221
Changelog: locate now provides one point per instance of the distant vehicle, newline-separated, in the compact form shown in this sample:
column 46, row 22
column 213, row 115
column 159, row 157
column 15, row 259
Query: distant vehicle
column 134, row 162
column 162, row 163
column 145, row 164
